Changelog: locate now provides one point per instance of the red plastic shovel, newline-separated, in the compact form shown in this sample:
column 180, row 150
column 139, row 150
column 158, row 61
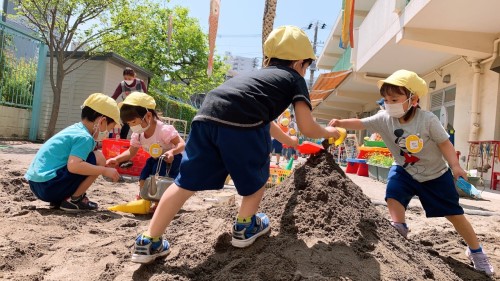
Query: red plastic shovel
column 308, row 147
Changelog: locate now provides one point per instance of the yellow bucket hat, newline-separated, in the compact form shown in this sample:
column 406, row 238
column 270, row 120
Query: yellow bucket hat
column 104, row 105
column 139, row 99
column 408, row 79
column 288, row 43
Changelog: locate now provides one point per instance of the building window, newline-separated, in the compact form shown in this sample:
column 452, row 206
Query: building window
column 445, row 98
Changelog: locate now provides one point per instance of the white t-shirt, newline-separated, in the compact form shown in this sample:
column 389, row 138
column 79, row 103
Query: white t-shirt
column 414, row 145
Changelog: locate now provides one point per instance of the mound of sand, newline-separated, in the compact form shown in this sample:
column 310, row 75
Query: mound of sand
column 323, row 228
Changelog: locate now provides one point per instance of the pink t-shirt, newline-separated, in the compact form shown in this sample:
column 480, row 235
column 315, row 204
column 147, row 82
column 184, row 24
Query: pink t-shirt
column 163, row 136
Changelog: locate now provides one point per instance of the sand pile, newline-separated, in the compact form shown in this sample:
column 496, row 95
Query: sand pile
column 323, row 228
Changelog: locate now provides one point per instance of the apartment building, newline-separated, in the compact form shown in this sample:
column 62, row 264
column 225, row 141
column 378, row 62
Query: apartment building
column 452, row 44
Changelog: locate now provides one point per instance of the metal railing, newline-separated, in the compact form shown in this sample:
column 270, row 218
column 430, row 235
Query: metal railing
column 19, row 58
column 22, row 71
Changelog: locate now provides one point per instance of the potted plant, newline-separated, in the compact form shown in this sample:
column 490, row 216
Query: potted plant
column 382, row 163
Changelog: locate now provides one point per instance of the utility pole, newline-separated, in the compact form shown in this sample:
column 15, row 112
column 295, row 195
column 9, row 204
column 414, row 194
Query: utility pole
column 312, row 68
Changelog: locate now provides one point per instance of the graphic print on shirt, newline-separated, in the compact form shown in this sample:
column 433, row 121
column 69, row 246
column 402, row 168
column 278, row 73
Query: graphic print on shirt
column 407, row 146
column 155, row 150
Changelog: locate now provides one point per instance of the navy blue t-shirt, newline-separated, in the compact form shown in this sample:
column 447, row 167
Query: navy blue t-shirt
column 254, row 99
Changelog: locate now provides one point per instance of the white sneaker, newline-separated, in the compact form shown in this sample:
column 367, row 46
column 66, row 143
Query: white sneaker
column 480, row 261
column 401, row 228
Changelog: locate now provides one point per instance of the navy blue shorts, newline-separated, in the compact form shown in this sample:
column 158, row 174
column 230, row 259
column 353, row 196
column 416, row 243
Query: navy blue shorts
column 277, row 146
column 152, row 164
column 438, row 196
column 62, row 186
column 213, row 151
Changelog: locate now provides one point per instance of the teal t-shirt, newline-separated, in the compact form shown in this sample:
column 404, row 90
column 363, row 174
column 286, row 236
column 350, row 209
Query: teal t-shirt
column 75, row 140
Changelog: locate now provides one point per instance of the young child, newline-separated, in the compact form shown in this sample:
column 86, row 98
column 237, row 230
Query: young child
column 129, row 84
column 418, row 143
column 231, row 134
column 66, row 164
column 155, row 137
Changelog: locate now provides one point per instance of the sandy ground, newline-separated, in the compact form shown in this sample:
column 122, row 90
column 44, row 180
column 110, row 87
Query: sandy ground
column 325, row 226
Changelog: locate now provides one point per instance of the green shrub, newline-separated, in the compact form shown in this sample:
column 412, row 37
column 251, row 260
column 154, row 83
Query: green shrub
column 174, row 109
column 17, row 79
column 381, row 160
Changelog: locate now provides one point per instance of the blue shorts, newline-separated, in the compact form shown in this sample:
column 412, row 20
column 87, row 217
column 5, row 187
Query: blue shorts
column 152, row 163
column 62, row 186
column 213, row 151
column 438, row 196
column 277, row 146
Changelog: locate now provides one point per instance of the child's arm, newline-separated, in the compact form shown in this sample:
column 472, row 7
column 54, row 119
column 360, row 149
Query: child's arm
column 124, row 156
column 450, row 155
column 308, row 126
column 281, row 136
column 352, row 123
column 178, row 148
column 80, row 167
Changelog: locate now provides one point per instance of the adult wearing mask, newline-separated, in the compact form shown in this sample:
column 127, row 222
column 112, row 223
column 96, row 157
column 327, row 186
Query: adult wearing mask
column 129, row 84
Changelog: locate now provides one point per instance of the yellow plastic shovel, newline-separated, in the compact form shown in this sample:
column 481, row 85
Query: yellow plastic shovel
column 140, row 207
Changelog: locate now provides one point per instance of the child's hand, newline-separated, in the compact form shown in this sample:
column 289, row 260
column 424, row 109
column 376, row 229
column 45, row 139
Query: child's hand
column 111, row 162
column 295, row 141
column 168, row 156
column 333, row 123
column 458, row 172
column 111, row 173
column 332, row 132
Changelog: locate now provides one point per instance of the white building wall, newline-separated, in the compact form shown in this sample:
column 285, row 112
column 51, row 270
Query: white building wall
column 77, row 86
column 241, row 64
column 94, row 76
column 14, row 122
column 461, row 76
column 380, row 25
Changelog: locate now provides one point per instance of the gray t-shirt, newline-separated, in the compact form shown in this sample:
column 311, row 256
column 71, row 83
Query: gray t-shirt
column 414, row 145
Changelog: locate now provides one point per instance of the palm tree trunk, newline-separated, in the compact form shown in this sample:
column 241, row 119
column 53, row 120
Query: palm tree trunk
column 268, row 21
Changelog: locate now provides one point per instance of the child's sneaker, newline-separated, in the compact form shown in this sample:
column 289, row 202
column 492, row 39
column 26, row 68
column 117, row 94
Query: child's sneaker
column 54, row 205
column 146, row 251
column 480, row 261
column 402, row 228
column 81, row 204
column 244, row 235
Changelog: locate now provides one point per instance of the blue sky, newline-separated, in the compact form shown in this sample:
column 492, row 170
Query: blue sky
column 240, row 21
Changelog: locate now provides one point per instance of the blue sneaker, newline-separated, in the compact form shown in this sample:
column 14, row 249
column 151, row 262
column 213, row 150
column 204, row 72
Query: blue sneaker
column 402, row 228
column 146, row 251
column 244, row 235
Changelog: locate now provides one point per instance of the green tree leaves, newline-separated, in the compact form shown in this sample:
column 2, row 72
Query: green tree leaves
column 179, row 61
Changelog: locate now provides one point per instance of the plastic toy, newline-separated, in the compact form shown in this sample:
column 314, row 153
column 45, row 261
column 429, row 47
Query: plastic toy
column 468, row 188
column 140, row 207
column 308, row 147
column 284, row 122
column 343, row 134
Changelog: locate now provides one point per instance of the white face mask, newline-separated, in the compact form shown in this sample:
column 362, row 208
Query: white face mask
column 396, row 110
column 138, row 128
column 100, row 135
column 129, row 82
